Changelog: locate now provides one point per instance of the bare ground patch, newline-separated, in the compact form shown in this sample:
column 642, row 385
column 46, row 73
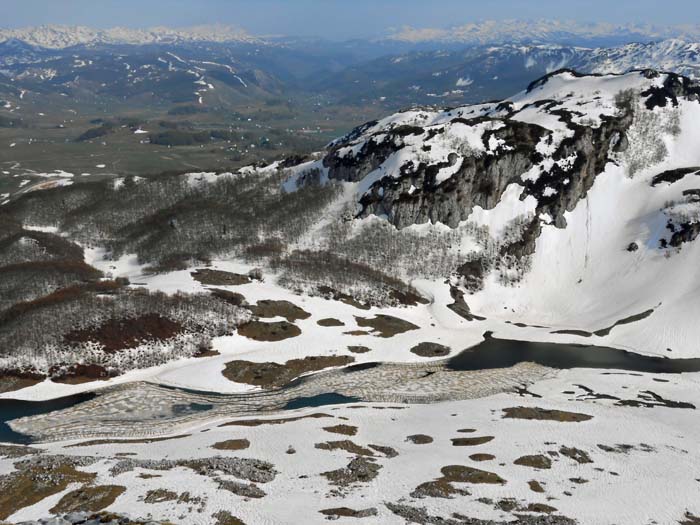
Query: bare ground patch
column 359, row 349
column 428, row 349
column 419, row 439
column 471, row 442
column 224, row 517
column 542, row 414
column 329, row 322
column 385, row 325
column 346, row 430
column 345, row 445
column 232, row 444
column 275, row 375
column 442, row 487
column 88, row 499
column 482, row 457
column 537, row 461
column 269, row 332
column 269, row 309
column 261, row 422
column 36, row 479
column 359, row 470
column 209, row 277
column 345, row 512
column 144, row 441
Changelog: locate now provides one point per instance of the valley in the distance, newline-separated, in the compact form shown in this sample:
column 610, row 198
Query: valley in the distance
column 441, row 277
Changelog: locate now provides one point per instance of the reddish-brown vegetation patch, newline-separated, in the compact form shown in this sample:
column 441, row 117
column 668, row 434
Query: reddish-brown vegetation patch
column 119, row 334
column 79, row 374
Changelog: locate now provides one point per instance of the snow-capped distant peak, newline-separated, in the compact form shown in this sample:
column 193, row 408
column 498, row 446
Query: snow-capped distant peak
column 59, row 37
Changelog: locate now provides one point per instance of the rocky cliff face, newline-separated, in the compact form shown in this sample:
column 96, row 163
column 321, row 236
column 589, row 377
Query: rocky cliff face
column 546, row 146
column 422, row 166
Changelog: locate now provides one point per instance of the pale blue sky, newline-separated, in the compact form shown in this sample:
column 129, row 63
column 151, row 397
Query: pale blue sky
column 339, row 19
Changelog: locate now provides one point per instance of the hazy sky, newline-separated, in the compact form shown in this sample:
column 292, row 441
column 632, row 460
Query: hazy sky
column 336, row 18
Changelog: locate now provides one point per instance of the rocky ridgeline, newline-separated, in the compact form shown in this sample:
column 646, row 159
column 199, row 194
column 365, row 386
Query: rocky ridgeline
column 551, row 141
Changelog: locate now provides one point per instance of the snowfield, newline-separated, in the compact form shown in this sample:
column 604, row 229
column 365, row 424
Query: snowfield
column 587, row 234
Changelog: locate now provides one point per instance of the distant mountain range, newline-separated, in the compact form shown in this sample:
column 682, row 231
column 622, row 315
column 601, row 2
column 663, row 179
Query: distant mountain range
column 543, row 31
column 475, row 74
column 60, row 37
column 220, row 66
column 490, row 32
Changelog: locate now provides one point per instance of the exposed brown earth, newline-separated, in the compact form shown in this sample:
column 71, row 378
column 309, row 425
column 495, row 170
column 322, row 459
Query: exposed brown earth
column 579, row 456
column 209, row 277
column 482, row 457
column 541, row 414
column 419, row 439
column 356, row 332
column 232, row 444
column 261, row 422
column 442, row 487
column 275, row 375
column 17, row 451
column 269, row 332
column 345, row 512
column 346, row 445
column 32, row 482
column 359, row 470
column 270, row 308
column 385, row 325
column 145, row 441
column 160, row 496
column 88, row 499
column 535, row 486
column 471, row 442
column 537, row 461
column 359, row 349
column 226, row 518
column 431, row 350
column 347, row 430
column 329, row 321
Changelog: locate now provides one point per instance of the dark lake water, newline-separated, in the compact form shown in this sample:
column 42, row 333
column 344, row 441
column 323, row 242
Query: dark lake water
column 319, row 401
column 13, row 409
column 504, row 353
